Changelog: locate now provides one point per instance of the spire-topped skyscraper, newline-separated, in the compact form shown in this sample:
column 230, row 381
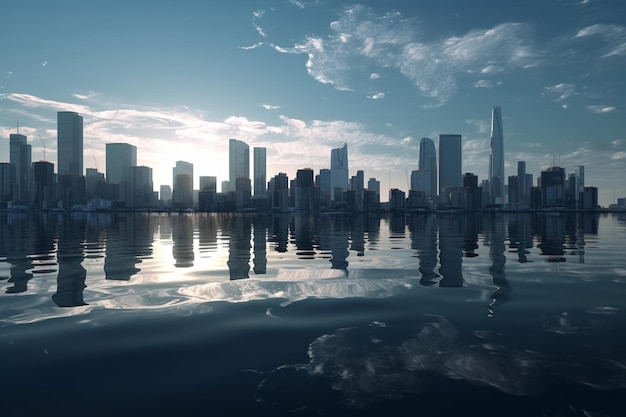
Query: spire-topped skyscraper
column 496, row 157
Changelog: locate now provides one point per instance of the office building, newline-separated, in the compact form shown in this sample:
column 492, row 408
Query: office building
column 69, row 143
column 553, row 187
column 20, row 156
column 579, row 175
column 238, row 162
column 496, row 158
column 7, row 182
column 449, row 167
column 44, row 187
column 260, row 169
column 120, row 157
column 182, row 193
column 304, row 189
column 427, row 177
column 374, row 185
column 338, row 171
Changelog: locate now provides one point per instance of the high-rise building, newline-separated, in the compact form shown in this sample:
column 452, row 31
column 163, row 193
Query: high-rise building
column 142, row 186
column 120, row 157
column 260, row 180
column 323, row 181
column 238, row 162
column 374, row 185
column 338, row 170
column 165, row 193
column 428, row 167
column 553, row 187
column 208, row 183
column 69, row 143
column 449, row 165
column 20, row 157
column 304, row 189
column 43, row 185
column 7, row 182
column 496, row 157
column 182, row 193
column 579, row 175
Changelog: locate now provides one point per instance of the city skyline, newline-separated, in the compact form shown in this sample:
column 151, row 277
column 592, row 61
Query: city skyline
column 300, row 78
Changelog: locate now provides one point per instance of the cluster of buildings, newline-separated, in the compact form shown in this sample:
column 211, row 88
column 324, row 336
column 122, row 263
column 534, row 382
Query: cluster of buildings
column 438, row 184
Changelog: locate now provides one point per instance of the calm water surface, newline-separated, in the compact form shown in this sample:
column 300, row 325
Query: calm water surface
column 431, row 315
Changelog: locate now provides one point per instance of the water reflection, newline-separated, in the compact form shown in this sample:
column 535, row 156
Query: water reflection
column 441, row 248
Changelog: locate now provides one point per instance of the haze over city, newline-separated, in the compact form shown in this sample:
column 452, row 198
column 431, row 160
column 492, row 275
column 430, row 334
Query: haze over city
column 299, row 78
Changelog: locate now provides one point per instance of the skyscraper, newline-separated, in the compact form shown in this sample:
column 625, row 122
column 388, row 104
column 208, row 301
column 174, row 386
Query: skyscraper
column 20, row 156
column 182, row 193
column 338, row 170
column 428, row 167
column 120, row 157
column 69, row 143
column 579, row 175
column 238, row 162
column 449, row 163
column 496, row 157
column 260, row 181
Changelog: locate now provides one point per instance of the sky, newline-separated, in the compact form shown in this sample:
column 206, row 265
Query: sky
column 300, row 77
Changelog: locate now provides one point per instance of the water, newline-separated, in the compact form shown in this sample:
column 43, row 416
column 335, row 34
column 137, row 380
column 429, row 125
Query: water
column 432, row 315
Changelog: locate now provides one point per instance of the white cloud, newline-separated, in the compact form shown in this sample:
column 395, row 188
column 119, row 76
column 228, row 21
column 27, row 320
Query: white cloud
column 257, row 15
column 361, row 39
column 599, row 109
column 614, row 37
column 44, row 63
column 561, row 92
column 270, row 107
column 483, row 84
column 377, row 96
column 619, row 155
column 374, row 76
column 481, row 125
column 254, row 46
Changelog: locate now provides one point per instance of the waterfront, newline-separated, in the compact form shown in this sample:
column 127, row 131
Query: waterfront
column 291, row 314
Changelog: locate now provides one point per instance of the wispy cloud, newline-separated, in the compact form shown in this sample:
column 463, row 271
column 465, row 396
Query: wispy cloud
column 361, row 39
column 270, row 107
column 614, row 37
column 481, row 125
column 249, row 47
column 560, row 93
column 619, row 155
column 44, row 63
column 377, row 96
column 256, row 16
column 600, row 109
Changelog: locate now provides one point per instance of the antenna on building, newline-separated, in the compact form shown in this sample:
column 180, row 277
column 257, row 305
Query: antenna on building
column 44, row 148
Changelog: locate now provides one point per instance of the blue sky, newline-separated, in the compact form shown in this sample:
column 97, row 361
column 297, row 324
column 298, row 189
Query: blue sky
column 179, row 78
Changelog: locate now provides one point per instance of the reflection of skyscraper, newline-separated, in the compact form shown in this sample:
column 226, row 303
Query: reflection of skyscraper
column 496, row 236
column 260, row 245
column 450, row 252
column 119, row 158
column 20, row 155
column 423, row 234
column 449, row 165
column 121, row 260
column 182, row 241
column 238, row 162
column 239, row 231
column 338, row 170
column 69, row 143
column 260, row 181
column 339, row 244
column 72, row 274
column 427, row 179
column 496, row 157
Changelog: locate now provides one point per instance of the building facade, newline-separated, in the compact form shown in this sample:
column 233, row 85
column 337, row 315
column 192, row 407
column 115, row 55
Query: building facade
column 260, row 171
column 238, row 162
column 120, row 157
column 496, row 158
column 69, row 143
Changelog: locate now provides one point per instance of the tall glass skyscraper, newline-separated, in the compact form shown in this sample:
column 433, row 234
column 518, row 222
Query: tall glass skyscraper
column 238, row 162
column 69, row 143
column 496, row 157
column 449, row 162
column 20, row 155
column 260, row 168
column 428, row 167
column 338, row 170
column 120, row 157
